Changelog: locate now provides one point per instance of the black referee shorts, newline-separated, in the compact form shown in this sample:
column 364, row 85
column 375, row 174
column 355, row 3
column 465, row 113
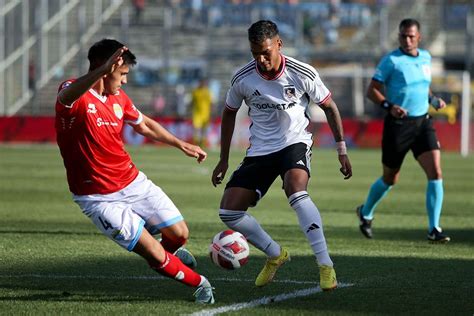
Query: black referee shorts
column 401, row 135
column 258, row 173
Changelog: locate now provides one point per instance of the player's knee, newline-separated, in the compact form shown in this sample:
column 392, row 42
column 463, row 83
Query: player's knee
column 231, row 217
column 182, row 235
column 437, row 174
column 390, row 180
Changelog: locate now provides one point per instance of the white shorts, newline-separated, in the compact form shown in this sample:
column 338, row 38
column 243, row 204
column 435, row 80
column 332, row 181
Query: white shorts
column 122, row 215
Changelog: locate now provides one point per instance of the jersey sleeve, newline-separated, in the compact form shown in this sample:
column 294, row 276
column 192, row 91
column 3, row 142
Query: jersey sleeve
column 316, row 89
column 131, row 114
column 234, row 97
column 65, row 109
column 383, row 70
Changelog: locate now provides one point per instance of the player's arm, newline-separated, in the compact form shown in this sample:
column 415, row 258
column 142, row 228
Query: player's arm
column 154, row 131
column 82, row 84
column 227, row 130
column 335, row 123
column 375, row 94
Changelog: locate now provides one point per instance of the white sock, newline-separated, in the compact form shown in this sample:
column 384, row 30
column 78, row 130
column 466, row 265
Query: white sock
column 311, row 225
column 248, row 226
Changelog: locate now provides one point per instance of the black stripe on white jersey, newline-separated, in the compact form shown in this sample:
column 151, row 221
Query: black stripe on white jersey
column 302, row 65
column 242, row 71
column 302, row 70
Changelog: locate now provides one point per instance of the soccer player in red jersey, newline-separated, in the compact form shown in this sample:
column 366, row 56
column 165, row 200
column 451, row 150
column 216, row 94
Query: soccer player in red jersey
column 110, row 190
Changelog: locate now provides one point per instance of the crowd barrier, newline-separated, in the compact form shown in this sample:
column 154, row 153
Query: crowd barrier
column 358, row 133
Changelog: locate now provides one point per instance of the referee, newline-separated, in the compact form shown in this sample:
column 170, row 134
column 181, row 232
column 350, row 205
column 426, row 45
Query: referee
column 401, row 86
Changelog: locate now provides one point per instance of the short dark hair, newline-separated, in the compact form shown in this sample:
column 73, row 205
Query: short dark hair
column 262, row 30
column 406, row 23
column 103, row 49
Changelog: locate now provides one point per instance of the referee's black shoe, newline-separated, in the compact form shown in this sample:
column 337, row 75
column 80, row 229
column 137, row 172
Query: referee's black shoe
column 437, row 237
column 365, row 225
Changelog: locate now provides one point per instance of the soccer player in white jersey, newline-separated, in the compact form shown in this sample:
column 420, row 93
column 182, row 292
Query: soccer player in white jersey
column 119, row 199
column 278, row 90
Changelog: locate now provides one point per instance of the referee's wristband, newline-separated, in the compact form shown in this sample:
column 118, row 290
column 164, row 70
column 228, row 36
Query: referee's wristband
column 341, row 148
column 386, row 105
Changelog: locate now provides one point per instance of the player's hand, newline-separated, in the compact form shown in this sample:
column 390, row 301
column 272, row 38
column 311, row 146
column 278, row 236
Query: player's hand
column 115, row 60
column 398, row 112
column 194, row 151
column 219, row 172
column 346, row 168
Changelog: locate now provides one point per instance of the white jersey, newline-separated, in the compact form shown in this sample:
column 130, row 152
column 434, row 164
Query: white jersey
column 277, row 106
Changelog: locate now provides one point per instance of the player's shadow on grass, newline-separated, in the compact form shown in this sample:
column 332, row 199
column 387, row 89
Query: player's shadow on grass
column 380, row 285
column 48, row 232
column 292, row 234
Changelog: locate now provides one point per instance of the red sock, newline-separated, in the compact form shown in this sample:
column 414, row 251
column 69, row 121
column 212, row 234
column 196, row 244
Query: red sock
column 170, row 245
column 175, row 269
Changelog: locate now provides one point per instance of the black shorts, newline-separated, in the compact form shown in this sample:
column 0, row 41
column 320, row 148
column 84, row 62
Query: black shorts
column 258, row 173
column 401, row 135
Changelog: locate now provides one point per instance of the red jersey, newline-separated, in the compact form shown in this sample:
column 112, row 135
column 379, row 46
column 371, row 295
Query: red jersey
column 89, row 136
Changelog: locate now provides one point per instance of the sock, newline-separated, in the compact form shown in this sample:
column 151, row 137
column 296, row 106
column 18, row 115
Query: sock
column 377, row 191
column 311, row 225
column 248, row 226
column 434, row 202
column 173, row 268
column 170, row 245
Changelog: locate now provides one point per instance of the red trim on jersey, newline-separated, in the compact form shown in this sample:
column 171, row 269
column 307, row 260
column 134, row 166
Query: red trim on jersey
column 326, row 98
column 278, row 75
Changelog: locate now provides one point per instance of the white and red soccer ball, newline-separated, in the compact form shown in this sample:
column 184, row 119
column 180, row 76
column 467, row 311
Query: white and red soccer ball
column 229, row 250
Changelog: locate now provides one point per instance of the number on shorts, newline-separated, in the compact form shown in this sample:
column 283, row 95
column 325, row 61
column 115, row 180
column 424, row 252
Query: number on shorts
column 104, row 223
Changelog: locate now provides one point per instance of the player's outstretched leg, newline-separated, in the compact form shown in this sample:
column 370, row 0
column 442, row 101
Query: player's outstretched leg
column 173, row 268
column 248, row 226
column 170, row 266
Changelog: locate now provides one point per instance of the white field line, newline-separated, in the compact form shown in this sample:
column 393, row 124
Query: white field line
column 263, row 301
column 115, row 277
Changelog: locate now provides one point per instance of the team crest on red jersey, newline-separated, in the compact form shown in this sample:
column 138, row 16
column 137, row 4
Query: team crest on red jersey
column 118, row 111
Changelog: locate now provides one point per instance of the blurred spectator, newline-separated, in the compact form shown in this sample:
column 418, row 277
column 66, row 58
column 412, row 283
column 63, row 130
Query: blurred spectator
column 32, row 75
column 331, row 25
column 138, row 6
column 159, row 103
column 181, row 102
column 201, row 108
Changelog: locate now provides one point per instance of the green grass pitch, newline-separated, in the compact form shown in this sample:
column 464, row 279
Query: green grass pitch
column 54, row 261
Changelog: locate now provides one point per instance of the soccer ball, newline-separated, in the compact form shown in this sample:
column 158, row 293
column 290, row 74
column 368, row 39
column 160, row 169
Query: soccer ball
column 229, row 250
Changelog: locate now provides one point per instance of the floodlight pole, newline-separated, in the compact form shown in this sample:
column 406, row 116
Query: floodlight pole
column 465, row 113
column 2, row 60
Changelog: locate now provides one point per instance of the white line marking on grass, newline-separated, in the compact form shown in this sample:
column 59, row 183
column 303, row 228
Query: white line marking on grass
column 113, row 277
column 263, row 301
